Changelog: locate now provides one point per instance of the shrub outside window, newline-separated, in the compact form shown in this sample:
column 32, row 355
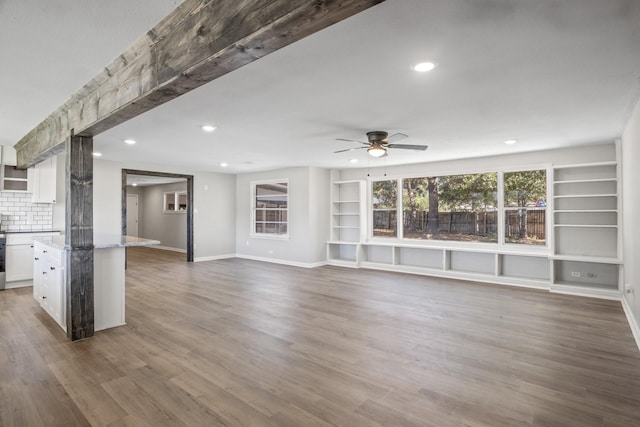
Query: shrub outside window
column 525, row 207
column 270, row 208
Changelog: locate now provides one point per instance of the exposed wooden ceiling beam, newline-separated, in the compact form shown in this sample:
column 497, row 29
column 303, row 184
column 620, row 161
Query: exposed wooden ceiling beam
column 198, row 42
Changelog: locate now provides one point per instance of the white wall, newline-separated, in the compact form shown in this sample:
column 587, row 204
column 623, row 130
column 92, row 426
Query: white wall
column 308, row 217
column 630, row 214
column 214, row 205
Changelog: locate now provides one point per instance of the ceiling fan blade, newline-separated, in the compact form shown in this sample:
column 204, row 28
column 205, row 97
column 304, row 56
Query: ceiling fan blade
column 352, row 140
column 408, row 147
column 396, row 137
column 349, row 149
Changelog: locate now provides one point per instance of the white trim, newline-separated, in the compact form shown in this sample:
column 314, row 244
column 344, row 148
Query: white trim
column 214, row 257
column 18, row 284
column 168, row 248
column 283, row 261
column 584, row 291
column 461, row 275
column 252, row 225
column 633, row 323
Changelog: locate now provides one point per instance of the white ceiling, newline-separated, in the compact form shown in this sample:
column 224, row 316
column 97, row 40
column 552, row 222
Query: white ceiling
column 548, row 73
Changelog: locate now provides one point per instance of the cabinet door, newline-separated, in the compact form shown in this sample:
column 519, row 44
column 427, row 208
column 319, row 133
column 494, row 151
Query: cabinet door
column 38, row 262
column 19, row 262
column 44, row 182
column 55, row 278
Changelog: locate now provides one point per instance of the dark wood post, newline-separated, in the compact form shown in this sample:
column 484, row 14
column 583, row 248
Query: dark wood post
column 79, row 237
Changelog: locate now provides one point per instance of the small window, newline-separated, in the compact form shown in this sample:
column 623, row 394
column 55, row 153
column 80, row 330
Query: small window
column 525, row 207
column 175, row 201
column 384, row 200
column 270, row 208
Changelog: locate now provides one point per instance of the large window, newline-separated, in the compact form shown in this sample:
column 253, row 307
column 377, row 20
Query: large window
column 525, row 207
column 453, row 207
column 270, row 208
column 463, row 208
column 385, row 202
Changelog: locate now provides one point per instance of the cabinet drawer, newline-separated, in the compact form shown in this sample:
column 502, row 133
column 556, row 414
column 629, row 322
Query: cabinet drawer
column 55, row 257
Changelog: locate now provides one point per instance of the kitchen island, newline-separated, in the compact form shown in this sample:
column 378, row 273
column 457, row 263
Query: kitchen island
column 49, row 278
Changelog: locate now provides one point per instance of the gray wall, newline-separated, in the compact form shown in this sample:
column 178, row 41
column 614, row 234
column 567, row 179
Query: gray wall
column 308, row 217
column 630, row 213
column 168, row 227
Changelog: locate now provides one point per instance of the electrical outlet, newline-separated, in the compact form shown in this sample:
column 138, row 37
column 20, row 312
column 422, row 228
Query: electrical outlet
column 575, row 274
column 592, row 275
column 628, row 289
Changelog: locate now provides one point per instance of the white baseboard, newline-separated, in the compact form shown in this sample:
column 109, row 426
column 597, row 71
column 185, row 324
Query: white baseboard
column 635, row 328
column 167, row 248
column 18, row 284
column 214, row 257
column 282, row 261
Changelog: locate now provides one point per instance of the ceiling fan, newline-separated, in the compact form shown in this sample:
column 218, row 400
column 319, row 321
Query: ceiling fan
column 380, row 141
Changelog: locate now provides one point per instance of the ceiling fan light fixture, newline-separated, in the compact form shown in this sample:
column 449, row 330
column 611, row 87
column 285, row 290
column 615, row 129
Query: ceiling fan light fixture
column 376, row 150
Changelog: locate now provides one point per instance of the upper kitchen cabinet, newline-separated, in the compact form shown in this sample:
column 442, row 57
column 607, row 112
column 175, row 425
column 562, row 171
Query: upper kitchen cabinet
column 12, row 178
column 43, row 182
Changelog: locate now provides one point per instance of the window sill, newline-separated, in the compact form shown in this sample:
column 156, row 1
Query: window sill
column 269, row 236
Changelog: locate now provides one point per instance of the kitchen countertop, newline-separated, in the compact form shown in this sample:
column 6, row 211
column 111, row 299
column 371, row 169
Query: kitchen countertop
column 100, row 241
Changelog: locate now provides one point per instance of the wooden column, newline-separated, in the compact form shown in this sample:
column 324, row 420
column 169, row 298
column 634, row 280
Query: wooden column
column 79, row 236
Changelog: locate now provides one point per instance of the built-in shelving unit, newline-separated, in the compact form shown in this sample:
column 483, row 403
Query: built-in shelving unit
column 586, row 250
column 583, row 255
column 348, row 222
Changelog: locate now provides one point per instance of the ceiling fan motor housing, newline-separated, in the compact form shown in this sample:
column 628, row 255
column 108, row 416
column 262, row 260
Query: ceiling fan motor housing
column 377, row 136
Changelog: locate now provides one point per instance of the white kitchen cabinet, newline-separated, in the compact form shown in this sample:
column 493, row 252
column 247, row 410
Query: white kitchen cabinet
column 49, row 281
column 12, row 178
column 19, row 258
column 43, row 182
column 19, row 262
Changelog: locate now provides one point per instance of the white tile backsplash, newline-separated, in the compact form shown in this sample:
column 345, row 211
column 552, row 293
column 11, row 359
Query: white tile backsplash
column 19, row 214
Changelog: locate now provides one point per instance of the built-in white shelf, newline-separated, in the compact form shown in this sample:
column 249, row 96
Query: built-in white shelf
column 582, row 255
column 579, row 196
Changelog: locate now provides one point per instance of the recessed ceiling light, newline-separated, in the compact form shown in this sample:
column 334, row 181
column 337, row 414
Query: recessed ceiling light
column 130, row 141
column 96, row 154
column 510, row 141
column 135, row 184
column 208, row 128
column 423, row 67
column 353, row 161
column 224, row 165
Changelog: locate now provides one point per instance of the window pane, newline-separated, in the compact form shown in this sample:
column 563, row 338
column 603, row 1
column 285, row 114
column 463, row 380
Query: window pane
column 170, row 201
column 182, row 201
column 271, row 195
column 525, row 225
column 526, row 188
column 454, row 207
column 525, row 200
column 385, row 199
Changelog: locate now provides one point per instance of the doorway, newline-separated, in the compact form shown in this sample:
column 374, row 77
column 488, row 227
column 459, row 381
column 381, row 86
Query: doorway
column 183, row 203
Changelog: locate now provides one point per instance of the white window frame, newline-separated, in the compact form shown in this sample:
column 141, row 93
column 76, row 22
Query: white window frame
column 176, row 198
column 252, row 231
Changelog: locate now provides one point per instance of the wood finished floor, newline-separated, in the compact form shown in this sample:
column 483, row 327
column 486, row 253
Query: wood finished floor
column 244, row 343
